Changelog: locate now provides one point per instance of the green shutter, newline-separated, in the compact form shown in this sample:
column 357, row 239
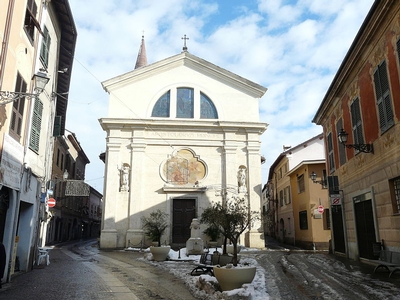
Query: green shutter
column 36, row 125
column 57, row 126
column 383, row 99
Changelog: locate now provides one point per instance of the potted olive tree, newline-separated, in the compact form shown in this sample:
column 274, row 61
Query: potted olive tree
column 154, row 227
column 232, row 218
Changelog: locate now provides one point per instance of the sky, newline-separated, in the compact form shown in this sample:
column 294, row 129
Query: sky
column 293, row 48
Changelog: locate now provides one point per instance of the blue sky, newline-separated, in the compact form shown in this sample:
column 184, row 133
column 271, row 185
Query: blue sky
column 293, row 48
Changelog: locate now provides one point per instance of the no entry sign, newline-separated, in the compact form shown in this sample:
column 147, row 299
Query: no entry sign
column 321, row 209
column 51, row 202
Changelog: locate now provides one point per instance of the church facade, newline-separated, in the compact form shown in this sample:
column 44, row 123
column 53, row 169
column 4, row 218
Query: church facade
column 182, row 133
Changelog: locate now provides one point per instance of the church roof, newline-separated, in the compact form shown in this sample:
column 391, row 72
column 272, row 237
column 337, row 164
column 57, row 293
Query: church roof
column 193, row 62
column 141, row 60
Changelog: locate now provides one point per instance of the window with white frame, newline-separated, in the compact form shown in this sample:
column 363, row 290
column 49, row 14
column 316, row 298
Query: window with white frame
column 30, row 19
column 287, row 195
column 45, row 48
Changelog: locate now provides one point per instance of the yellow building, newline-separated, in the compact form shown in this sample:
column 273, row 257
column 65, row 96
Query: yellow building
column 292, row 199
column 310, row 205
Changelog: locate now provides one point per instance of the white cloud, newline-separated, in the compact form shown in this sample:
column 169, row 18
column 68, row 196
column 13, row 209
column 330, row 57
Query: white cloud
column 291, row 47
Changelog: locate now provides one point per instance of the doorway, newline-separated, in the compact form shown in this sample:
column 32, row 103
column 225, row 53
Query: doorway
column 184, row 211
column 282, row 231
column 365, row 228
column 338, row 229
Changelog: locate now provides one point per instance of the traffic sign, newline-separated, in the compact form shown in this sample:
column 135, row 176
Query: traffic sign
column 51, row 202
column 321, row 209
column 336, row 199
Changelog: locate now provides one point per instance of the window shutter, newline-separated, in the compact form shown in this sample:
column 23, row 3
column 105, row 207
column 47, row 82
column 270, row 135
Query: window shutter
column 57, row 126
column 356, row 122
column 36, row 125
column 331, row 158
column 45, row 48
column 18, row 109
column 383, row 100
column 398, row 49
column 342, row 152
column 333, row 185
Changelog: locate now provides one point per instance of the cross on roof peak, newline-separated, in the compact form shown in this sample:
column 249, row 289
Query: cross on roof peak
column 184, row 42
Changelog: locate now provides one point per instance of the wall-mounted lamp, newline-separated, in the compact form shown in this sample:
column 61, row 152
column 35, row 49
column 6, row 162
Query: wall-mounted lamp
column 313, row 177
column 40, row 80
column 366, row 148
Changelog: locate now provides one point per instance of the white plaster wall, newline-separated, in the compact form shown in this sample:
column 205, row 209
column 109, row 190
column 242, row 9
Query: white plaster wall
column 137, row 100
column 315, row 150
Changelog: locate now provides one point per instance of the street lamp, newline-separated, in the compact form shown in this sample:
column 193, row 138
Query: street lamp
column 313, row 177
column 366, row 148
column 40, row 80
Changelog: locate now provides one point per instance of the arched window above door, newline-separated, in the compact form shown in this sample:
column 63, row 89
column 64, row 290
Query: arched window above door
column 188, row 103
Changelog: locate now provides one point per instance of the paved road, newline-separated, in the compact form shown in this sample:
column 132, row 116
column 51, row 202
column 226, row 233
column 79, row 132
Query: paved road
column 80, row 271
column 294, row 274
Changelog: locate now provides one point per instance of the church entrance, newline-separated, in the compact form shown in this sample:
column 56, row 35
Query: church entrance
column 184, row 210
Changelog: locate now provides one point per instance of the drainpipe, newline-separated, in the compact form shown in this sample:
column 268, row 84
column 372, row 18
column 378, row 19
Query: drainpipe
column 4, row 44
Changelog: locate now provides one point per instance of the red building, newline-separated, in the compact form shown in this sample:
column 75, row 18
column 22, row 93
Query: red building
column 364, row 101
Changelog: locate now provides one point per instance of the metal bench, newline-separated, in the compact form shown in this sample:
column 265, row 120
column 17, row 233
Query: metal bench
column 387, row 260
column 208, row 261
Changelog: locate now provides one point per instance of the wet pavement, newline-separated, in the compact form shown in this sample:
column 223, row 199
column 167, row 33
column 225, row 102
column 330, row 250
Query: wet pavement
column 79, row 270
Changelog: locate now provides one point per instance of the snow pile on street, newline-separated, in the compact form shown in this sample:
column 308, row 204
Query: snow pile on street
column 205, row 286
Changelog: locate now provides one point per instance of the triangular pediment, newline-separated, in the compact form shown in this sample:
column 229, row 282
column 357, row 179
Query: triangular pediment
column 194, row 63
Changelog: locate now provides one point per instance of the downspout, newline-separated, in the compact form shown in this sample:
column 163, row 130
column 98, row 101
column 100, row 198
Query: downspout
column 4, row 44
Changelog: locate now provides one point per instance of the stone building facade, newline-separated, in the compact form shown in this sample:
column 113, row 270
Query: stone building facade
column 364, row 101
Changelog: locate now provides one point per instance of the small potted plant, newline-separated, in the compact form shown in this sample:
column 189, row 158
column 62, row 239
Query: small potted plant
column 154, row 227
column 213, row 233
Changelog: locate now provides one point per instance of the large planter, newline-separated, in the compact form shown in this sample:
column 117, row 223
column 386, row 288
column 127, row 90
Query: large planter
column 160, row 253
column 233, row 277
column 229, row 248
column 212, row 244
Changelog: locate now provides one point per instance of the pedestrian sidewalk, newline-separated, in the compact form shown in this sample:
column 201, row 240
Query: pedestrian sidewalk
column 67, row 277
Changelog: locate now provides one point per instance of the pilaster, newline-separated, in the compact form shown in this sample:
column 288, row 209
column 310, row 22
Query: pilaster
column 134, row 234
